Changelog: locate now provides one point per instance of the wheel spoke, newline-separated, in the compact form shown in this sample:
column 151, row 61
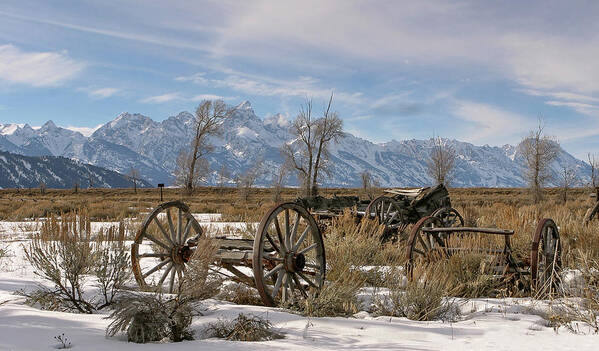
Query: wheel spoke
column 300, row 286
column 294, row 230
column 163, row 231
column 277, row 285
column 156, row 241
column 157, row 267
column 287, row 229
column 186, row 231
column 284, row 295
column 279, row 234
column 171, row 225
column 274, row 270
column 179, row 225
column 172, row 282
column 308, row 248
column 153, row 255
column 423, row 243
column 418, row 251
column 168, row 269
column 301, row 239
column 307, row 280
column 274, row 245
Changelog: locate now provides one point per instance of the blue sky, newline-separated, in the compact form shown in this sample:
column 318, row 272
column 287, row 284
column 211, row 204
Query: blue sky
column 477, row 71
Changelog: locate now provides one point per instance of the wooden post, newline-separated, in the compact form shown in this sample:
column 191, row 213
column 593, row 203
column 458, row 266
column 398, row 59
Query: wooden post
column 161, row 185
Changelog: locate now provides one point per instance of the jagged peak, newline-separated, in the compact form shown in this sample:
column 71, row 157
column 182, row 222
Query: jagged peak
column 49, row 125
column 245, row 105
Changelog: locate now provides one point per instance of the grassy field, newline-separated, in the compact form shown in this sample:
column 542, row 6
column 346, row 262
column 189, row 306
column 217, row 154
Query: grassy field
column 484, row 207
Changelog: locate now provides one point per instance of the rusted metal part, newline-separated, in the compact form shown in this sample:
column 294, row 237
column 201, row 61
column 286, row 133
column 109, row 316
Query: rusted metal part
column 545, row 255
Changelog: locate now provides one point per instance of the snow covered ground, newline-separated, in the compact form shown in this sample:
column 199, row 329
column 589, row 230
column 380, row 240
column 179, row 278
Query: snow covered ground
column 485, row 324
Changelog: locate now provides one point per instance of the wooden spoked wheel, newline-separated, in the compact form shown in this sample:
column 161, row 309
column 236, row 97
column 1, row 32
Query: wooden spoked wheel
column 545, row 257
column 288, row 255
column 423, row 247
column 449, row 216
column 162, row 247
column 387, row 211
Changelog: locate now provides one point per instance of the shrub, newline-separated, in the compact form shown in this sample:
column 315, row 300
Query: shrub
column 63, row 254
column 150, row 317
column 423, row 297
column 244, row 328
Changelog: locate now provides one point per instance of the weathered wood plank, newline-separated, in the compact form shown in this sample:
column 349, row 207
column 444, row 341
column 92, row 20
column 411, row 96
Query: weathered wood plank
column 469, row 230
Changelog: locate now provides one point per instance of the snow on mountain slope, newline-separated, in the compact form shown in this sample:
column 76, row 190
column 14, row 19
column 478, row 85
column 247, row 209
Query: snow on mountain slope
column 137, row 141
column 18, row 171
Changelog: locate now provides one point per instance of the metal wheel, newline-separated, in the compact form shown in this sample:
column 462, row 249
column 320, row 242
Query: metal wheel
column 163, row 245
column 423, row 248
column 288, row 258
column 386, row 210
column 591, row 213
column 449, row 216
column 545, row 257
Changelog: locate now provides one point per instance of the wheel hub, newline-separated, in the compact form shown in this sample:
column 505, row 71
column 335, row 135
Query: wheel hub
column 295, row 262
column 181, row 254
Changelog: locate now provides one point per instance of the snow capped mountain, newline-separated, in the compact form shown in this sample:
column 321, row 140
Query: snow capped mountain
column 137, row 141
column 18, row 171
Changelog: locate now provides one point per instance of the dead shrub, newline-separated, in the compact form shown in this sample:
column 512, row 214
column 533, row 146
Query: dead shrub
column 150, row 317
column 239, row 294
column 200, row 282
column 244, row 328
column 423, row 299
column 64, row 254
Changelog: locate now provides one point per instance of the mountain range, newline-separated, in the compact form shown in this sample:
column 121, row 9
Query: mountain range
column 137, row 141
column 18, row 171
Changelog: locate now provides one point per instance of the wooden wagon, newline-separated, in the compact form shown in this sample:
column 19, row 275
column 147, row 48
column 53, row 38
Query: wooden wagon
column 399, row 208
column 284, row 261
column 430, row 240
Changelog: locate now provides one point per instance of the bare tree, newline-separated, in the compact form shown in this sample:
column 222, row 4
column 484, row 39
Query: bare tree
column 568, row 180
column 223, row 175
column 278, row 181
column 441, row 162
column 594, row 163
column 309, row 153
column 134, row 176
column 208, row 119
column 42, row 188
column 369, row 184
column 245, row 182
column 90, row 180
column 538, row 151
column 201, row 169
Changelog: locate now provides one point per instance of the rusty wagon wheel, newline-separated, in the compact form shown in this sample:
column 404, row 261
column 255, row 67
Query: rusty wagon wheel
column 545, row 257
column 449, row 216
column 422, row 247
column 387, row 211
column 297, row 263
column 591, row 213
column 171, row 231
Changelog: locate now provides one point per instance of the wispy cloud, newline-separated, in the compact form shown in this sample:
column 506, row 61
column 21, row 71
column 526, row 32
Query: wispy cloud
column 100, row 93
column 490, row 124
column 38, row 69
column 176, row 96
column 303, row 86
